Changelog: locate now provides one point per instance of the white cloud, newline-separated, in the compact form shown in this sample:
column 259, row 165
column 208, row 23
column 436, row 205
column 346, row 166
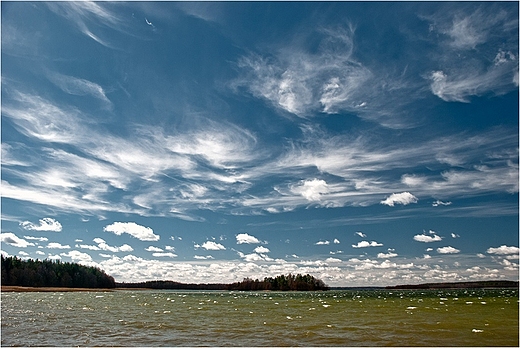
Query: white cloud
column 365, row 244
column 261, row 250
column 322, row 242
column 448, row 250
column 503, row 250
column 45, row 224
column 102, row 245
column 54, row 257
column 333, row 260
column 439, row 203
column 39, row 239
column 336, row 241
column 137, row 231
column 210, row 245
column 403, row 198
column 300, row 82
column 164, row 254
column 312, row 190
column 199, row 257
column 427, row 238
column 78, row 256
column 386, row 256
column 11, row 239
column 54, row 245
column 78, row 86
column 154, row 249
column 361, row 234
column 244, row 238
column 454, row 235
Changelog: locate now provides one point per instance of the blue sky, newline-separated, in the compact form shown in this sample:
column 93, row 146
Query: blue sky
column 364, row 143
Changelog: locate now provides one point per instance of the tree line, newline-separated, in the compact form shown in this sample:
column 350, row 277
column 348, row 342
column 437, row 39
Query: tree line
column 280, row 283
column 47, row 273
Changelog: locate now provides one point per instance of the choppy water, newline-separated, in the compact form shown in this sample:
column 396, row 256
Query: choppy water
column 193, row 318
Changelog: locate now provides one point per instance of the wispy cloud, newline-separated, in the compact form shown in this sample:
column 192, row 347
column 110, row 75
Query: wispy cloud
column 78, row 86
column 466, row 70
column 87, row 14
column 301, row 82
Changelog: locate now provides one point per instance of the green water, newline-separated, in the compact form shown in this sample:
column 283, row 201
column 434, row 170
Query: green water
column 192, row 318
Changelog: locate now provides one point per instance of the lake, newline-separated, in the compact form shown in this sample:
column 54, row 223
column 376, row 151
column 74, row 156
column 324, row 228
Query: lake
column 219, row 318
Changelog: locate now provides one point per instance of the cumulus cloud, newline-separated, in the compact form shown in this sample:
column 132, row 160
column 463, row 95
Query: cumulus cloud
column 261, row 250
column 11, row 239
column 154, row 249
column 403, row 198
column 102, row 245
column 336, row 241
column 137, row 231
column 164, row 254
column 78, row 256
column 199, row 257
column 210, row 245
column 244, row 238
column 45, row 224
column 448, row 250
column 322, row 242
column 365, row 244
column 361, row 234
column 427, row 238
column 387, row 255
column 503, row 250
column 312, row 190
column 333, row 260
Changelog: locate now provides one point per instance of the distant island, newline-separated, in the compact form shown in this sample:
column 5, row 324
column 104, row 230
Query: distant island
column 280, row 283
column 485, row 284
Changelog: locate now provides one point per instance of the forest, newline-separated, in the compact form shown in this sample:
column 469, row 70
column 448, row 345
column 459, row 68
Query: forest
column 280, row 283
column 47, row 273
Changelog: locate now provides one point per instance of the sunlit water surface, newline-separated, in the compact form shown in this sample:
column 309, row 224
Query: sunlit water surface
column 196, row 318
